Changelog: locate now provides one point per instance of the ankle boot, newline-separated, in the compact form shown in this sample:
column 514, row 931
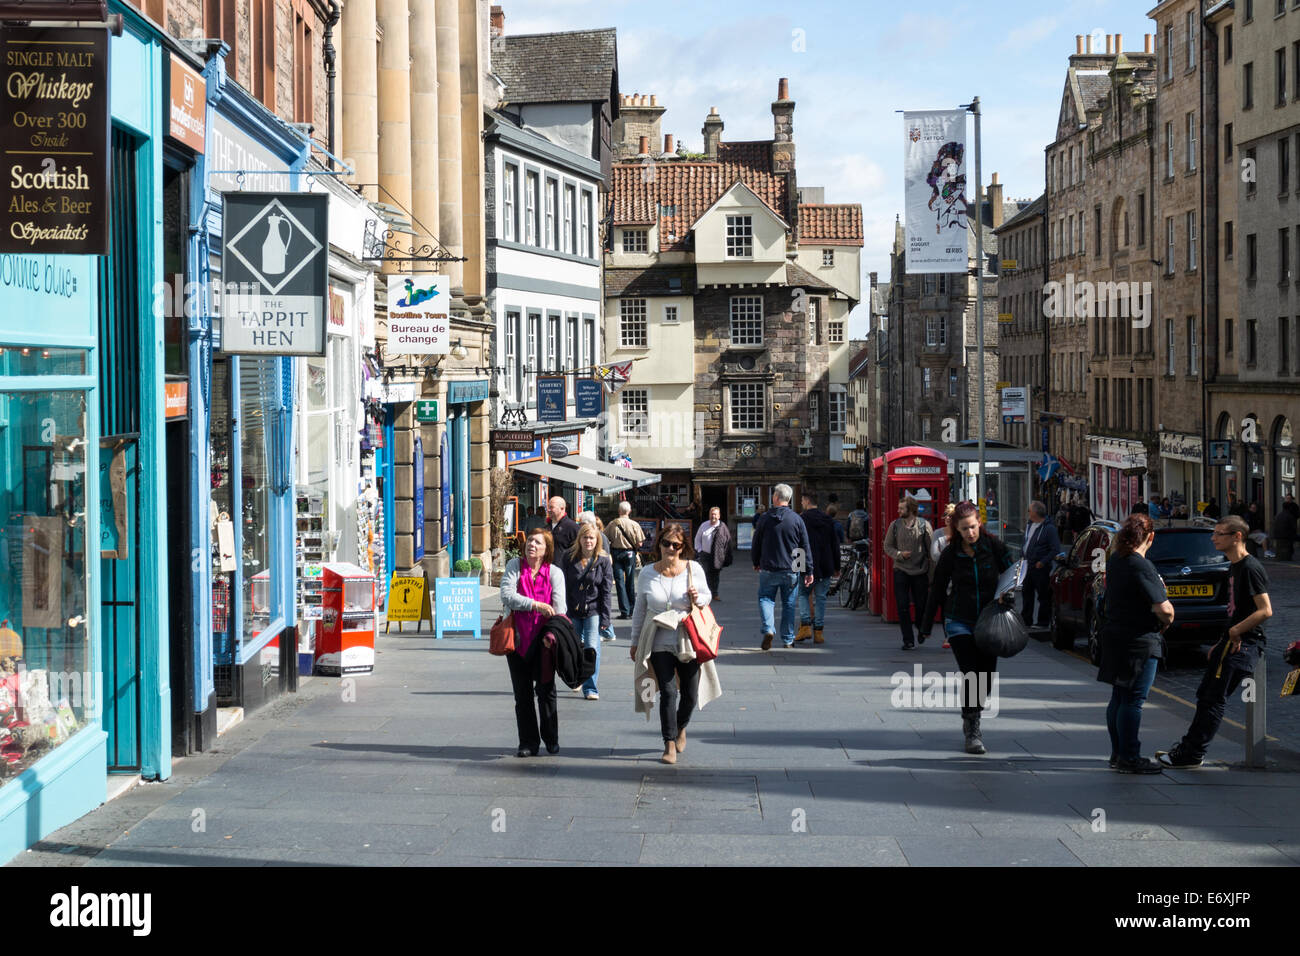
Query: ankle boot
column 670, row 752
column 971, row 728
column 805, row 632
column 817, row 636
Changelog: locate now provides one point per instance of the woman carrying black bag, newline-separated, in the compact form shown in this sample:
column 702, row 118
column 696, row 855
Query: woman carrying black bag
column 1137, row 610
column 972, row 562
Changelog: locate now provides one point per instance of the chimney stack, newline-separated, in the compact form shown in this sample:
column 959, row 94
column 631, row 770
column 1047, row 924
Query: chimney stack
column 995, row 201
column 1078, row 43
column 668, row 143
column 645, row 146
column 1148, row 43
column 712, row 133
column 1087, row 43
column 638, row 116
column 498, row 21
column 1110, row 44
column 783, row 131
column 1119, row 43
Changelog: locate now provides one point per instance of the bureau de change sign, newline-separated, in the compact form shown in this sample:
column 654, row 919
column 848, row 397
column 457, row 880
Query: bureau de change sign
column 275, row 273
column 54, row 139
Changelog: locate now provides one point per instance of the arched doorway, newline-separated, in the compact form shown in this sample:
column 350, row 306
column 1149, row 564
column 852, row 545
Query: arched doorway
column 1253, row 472
column 1284, row 462
column 1225, row 479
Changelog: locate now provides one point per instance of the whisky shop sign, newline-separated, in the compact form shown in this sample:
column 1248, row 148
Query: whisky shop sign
column 54, row 140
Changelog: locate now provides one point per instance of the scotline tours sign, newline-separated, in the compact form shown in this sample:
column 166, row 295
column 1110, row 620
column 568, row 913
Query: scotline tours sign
column 275, row 272
column 419, row 315
column 934, row 175
column 54, row 140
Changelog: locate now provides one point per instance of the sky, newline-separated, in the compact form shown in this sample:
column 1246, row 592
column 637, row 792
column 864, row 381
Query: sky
column 851, row 65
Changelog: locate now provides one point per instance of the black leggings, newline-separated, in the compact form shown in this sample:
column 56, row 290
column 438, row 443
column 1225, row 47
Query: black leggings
column 525, row 678
column 971, row 660
column 674, row 716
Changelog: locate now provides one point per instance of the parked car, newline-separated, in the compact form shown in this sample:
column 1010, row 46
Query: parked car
column 1196, row 579
column 1071, row 582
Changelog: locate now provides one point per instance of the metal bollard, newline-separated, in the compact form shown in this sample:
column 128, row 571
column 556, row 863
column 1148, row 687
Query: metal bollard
column 1257, row 717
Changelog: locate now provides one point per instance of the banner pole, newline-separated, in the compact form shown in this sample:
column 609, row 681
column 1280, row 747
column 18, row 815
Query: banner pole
column 979, row 296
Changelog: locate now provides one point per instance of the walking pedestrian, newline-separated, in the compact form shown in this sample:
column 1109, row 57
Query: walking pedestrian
column 858, row 521
column 780, row 550
column 907, row 542
column 841, row 536
column 625, row 540
column 1137, row 611
column 563, row 528
column 1041, row 548
column 532, row 588
column 666, row 592
column 589, row 589
column 1212, row 509
column 1234, row 657
column 942, row 536
column 590, row 517
column 824, row 559
column 716, row 549
column 1283, row 531
column 971, row 562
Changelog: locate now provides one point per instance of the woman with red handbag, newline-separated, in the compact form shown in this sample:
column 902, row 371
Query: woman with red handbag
column 533, row 590
column 665, row 593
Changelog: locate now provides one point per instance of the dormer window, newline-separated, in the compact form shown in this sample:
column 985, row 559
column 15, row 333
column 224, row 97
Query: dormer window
column 740, row 237
column 635, row 240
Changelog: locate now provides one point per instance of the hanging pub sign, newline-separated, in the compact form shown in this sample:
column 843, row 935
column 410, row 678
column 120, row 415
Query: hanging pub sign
column 275, row 269
column 551, row 398
column 54, row 133
column 589, row 397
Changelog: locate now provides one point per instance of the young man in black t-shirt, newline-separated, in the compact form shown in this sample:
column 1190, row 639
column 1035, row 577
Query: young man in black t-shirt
column 1234, row 657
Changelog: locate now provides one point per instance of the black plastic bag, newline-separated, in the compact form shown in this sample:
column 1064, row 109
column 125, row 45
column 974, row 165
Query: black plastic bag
column 1000, row 631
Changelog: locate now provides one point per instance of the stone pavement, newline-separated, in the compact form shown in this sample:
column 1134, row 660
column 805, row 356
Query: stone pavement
column 804, row 760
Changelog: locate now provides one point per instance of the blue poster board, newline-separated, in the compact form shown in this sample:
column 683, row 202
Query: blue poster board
column 588, row 397
column 550, row 398
column 516, row 457
column 444, row 477
column 457, row 606
column 417, row 465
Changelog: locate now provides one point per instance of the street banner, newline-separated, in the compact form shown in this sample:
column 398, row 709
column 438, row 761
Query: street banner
column 934, row 181
column 456, row 603
column 551, row 398
column 419, row 315
column 275, row 269
column 54, row 132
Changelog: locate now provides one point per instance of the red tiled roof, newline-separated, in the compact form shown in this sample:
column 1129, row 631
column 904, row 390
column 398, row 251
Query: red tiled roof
column 837, row 224
column 642, row 188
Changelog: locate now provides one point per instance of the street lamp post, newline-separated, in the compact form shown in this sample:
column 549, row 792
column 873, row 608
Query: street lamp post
column 974, row 107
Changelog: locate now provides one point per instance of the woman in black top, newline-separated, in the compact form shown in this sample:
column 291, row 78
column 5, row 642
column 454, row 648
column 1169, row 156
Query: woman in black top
column 589, row 588
column 972, row 561
column 1137, row 610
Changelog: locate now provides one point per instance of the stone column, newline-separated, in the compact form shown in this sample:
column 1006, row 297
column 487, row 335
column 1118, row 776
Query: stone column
column 395, row 110
column 424, row 122
column 473, row 278
column 449, row 187
column 360, row 129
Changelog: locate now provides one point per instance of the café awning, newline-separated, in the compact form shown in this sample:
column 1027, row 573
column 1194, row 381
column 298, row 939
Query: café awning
column 610, row 470
column 580, row 477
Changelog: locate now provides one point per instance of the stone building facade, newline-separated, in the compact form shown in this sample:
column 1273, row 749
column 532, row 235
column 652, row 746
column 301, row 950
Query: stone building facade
column 1022, row 338
column 1255, row 396
column 1177, row 312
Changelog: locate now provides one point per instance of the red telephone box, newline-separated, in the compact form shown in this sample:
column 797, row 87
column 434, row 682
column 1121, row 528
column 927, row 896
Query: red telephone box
column 919, row 472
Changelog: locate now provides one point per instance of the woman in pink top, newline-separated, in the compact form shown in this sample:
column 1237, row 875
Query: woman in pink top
column 532, row 589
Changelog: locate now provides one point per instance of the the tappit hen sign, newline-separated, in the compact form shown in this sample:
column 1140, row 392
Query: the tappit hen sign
column 275, row 268
column 54, row 137
column 419, row 319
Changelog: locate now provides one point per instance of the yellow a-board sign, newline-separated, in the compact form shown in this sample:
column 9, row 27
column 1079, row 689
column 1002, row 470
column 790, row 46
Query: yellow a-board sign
column 408, row 600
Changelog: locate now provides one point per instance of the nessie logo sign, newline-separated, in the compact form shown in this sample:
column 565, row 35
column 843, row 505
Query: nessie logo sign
column 275, row 270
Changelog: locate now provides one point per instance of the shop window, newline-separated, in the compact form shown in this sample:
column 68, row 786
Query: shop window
column 47, row 690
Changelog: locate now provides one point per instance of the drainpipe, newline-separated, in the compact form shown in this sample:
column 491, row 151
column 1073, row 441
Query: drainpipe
column 330, row 72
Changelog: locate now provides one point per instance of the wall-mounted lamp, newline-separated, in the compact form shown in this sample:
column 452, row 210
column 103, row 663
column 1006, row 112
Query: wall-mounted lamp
column 458, row 351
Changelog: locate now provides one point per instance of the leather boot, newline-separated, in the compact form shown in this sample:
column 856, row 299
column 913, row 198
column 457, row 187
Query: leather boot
column 805, row 632
column 817, row 636
column 974, row 742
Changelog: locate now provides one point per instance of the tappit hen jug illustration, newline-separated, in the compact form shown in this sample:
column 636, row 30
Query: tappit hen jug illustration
column 275, row 247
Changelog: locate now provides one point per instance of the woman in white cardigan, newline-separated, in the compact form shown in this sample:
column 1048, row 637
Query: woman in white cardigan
column 665, row 592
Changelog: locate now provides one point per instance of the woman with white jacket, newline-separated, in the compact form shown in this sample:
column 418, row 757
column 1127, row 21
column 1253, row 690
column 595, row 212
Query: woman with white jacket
column 665, row 594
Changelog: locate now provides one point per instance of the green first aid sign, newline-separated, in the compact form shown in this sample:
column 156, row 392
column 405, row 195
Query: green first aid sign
column 426, row 410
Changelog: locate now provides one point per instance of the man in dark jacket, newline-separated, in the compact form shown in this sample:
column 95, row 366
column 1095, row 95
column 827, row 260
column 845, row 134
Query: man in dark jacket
column 825, row 563
column 1042, row 544
column 1284, row 529
column 563, row 528
column 781, row 552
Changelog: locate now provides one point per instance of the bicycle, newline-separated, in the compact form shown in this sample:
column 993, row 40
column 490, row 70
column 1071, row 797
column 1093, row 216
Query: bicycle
column 854, row 582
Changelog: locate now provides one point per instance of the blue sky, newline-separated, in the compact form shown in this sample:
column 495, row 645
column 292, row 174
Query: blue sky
column 858, row 64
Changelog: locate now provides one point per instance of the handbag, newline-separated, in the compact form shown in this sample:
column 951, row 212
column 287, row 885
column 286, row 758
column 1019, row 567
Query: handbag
column 702, row 628
column 502, row 639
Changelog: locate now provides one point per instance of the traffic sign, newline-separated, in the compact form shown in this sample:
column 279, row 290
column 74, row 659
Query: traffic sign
column 426, row 410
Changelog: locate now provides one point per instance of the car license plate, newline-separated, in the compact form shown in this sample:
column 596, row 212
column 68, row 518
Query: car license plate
column 1190, row 590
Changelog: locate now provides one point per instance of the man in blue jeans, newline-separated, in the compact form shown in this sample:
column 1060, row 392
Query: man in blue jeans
column 782, row 553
